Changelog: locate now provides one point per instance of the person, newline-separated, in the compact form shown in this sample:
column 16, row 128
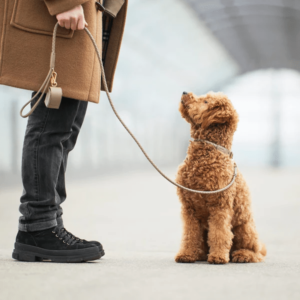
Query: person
column 52, row 133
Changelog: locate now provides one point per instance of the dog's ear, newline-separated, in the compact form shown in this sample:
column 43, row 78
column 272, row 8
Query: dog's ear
column 219, row 110
column 218, row 114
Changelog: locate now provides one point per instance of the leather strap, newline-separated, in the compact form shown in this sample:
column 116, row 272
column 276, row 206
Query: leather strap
column 119, row 118
column 137, row 142
column 41, row 90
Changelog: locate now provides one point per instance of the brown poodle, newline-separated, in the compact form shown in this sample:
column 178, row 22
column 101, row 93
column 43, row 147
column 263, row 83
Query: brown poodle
column 217, row 227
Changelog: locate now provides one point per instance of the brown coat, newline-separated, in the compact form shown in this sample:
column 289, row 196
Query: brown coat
column 25, row 45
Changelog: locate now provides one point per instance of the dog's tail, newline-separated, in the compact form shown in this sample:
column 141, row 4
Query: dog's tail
column 263, row 249
column 262, row 252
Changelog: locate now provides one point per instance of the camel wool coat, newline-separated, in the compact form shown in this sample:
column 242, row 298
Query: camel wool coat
column 26, row 28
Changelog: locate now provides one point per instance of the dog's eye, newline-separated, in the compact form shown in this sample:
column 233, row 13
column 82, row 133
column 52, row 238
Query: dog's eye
column 205, row 101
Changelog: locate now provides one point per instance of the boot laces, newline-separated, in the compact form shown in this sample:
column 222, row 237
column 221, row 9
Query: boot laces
column 71, row 234
column 65, row 236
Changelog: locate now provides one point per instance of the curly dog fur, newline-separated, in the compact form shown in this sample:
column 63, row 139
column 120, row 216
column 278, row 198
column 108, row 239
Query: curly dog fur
column 217, row 227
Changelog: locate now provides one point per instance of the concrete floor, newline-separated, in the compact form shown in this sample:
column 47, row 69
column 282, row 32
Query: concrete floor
column 136, row 217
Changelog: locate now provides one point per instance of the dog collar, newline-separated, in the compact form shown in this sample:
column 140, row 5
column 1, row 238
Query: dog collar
column 218, row 147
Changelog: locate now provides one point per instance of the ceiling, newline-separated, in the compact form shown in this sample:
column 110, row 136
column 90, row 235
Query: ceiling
column 257, row 34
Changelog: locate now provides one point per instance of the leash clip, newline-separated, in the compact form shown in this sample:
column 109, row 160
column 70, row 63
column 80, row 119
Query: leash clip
column 54, row 95
column 53, row 79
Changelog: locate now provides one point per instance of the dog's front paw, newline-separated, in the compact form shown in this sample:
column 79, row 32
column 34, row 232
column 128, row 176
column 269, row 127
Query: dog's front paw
column 216, row 258
column 185, row 258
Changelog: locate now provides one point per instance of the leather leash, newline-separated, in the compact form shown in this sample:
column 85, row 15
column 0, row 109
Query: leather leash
column 52, row 73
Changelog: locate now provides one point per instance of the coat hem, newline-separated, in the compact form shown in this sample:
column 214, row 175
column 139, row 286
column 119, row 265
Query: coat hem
column 27, row 85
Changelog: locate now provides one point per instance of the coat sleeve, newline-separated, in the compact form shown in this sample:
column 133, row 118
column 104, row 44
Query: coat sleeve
column 58, row 6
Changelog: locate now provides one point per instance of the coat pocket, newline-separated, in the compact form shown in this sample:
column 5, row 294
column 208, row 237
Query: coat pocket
column 33, row 16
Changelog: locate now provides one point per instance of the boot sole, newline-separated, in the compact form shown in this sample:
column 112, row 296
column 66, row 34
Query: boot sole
column 29, row 253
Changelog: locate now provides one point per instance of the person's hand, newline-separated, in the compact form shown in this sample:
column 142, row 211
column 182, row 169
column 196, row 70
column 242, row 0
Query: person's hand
column 72, row 19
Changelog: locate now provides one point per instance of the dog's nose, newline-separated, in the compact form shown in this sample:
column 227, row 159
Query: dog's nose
column 184, row 93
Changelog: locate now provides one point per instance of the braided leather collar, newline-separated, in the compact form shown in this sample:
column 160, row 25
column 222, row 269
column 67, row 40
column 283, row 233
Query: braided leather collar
column 218, row 147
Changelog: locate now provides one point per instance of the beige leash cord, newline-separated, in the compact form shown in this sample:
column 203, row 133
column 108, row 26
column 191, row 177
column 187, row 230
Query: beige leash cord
column 47, row 80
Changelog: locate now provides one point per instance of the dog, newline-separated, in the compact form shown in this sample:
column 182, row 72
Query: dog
column 219, row 227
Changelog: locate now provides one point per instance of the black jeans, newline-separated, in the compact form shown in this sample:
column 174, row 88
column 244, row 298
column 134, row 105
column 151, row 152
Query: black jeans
column 50, row 135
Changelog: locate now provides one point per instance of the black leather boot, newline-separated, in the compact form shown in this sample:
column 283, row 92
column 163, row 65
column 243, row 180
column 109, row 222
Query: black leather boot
column 53, row 244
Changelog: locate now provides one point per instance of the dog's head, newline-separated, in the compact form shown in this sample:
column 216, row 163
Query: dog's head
column 211, row 109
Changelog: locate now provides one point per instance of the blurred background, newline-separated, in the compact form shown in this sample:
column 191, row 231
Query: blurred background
column 247, row 49
column 250, row 50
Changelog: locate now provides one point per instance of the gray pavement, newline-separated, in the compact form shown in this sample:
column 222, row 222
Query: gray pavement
column 136, row 217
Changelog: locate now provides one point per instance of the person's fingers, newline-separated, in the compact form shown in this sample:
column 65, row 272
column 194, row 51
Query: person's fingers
column 80, row 25
column 67, row 23
column 74, row 23
column 61, row 23
column 73, row 19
